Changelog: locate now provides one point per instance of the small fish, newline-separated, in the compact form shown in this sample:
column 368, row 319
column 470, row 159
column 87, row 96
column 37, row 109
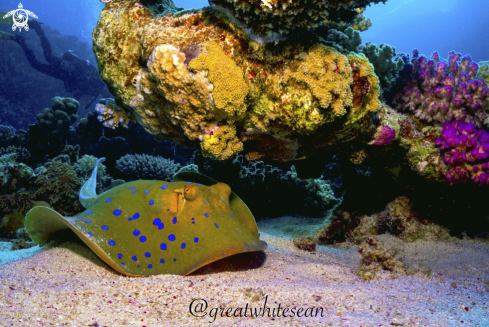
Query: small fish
column 148, row 227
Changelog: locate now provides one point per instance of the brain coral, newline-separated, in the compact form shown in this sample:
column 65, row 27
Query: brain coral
column 189, row 77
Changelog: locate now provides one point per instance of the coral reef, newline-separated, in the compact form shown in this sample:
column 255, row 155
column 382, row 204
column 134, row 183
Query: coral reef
column 465, row 153
column 147, row 167
column 398, row 219
column 440, row 91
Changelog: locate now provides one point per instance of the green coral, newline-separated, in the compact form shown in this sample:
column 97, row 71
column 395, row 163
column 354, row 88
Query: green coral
column 385, row 68
column 55, row 122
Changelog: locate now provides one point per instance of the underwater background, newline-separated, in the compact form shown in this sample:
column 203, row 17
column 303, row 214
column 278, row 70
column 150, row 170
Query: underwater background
column 392, row 176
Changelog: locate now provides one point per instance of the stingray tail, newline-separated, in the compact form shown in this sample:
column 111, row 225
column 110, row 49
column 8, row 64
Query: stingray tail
column 88, row 191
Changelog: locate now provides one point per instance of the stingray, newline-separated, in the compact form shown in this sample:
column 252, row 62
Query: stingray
column 150, row 227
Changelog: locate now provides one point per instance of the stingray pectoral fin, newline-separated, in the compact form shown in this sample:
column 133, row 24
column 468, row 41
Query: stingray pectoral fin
column 42, row 222
column 243, row 213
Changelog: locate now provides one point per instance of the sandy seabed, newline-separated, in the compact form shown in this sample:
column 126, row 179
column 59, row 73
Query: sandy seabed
column 69, row 286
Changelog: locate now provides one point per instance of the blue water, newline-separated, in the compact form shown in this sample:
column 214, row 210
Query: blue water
column 429, row 25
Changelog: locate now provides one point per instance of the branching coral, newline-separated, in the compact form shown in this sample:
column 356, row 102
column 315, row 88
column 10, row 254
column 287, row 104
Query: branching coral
column 465, row 153
column 110, row 115
column 143, row 166
column 268, row 20
column 442, row 91
column 386, row 69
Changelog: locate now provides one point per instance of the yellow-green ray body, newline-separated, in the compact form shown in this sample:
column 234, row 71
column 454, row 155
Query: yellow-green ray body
column 154, row 227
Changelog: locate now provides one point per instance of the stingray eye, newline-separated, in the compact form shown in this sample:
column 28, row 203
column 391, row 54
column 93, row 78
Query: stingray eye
column 191, row 193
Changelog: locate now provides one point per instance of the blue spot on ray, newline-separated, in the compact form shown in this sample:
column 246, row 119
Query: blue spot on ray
column 88, row 221
column 217, row 226
column 136, row 232
column 80, row 218
column 122, row 263
column 119, row 255
column 105, row 227
column 134, row 258
column 188, row 182
column 130, row 188
column 111, row 242
column 151, row 202
column 82, row 228
column 88, row 212
column 184, row 245
column 117, row 212
column 142, row 239
column 151, row 184
column 108, row 200
column 163, row 187
column 171, row 237
column 162, row 260
column 163, row 246
column 90, row 234
column 206, row 215
column 174, row 220
column 147, row 254
column 175, row 259
column 150, row 266
column 196, row 240
column 157, row 222
column 134, row 191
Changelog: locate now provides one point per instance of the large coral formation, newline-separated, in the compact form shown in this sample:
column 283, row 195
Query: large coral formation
column 201, row 74
column 441, row 91
column 465, row 153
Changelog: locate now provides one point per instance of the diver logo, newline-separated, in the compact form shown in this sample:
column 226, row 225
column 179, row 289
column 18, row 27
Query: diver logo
column 20, row 17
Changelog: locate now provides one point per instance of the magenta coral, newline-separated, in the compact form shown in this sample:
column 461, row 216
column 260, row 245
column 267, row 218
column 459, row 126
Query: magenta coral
column 384, row 135
column 444, row 91
column 465, row 153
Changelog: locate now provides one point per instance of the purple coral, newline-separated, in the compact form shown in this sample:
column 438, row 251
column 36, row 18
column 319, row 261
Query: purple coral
column 465, row 153
column 444, row 91
column 384, row 135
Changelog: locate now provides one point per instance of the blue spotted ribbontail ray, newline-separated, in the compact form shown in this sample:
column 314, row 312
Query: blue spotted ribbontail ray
column 148, row 227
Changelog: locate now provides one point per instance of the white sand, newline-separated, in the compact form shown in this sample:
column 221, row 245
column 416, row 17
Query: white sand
column 69, row 286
